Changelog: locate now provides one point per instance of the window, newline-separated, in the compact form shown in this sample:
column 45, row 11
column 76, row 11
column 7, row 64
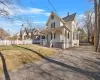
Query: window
column 73, row 36
column 77, row 36
column 43, row 37
column 51, row 36
column 54, row 35
column 68, row 35
column 52, row 17
column 53, row 25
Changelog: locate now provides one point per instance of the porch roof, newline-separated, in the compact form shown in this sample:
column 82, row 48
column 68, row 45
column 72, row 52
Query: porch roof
column 55, row 29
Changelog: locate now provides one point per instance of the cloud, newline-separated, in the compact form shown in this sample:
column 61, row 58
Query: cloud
column 17, row 13
column 47, row 14
column 18, row 10
column 8, row 8
column 81, row 16
column 40, row 22
column 8, row 24
column 30, row 10
column 18, row 23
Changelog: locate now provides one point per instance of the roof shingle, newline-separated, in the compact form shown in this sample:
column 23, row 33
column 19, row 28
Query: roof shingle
column 69, row 17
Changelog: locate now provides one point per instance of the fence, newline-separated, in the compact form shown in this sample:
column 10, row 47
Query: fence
column 11, row 42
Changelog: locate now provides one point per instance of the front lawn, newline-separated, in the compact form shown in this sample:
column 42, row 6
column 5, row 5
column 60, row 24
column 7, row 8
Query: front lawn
column 15, row 56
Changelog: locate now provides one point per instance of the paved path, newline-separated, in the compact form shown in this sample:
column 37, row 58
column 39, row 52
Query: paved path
column 73, row 64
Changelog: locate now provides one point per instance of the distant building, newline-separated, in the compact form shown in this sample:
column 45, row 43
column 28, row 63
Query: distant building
column 3, row 34
column 29, row 33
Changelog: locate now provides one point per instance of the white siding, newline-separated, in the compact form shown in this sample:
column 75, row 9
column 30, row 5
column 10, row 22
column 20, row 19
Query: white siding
column 57, row 21
column 69, row 25
column 57, row 38
column 49, row 37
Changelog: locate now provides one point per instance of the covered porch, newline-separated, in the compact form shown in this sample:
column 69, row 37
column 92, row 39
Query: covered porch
column 57, row 37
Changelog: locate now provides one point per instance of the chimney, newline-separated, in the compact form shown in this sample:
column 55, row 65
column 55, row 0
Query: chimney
column 68, row 14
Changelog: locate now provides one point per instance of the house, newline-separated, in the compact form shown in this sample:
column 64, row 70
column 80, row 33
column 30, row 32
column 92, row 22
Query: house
column 29, row 33
column 61, row 32
column 3, row 34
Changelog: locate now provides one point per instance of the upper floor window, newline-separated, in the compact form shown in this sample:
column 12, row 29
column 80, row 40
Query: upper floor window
column 68, row 35
column 73, row 36
column 54, row 35
column 52, row 16
column 53, row 25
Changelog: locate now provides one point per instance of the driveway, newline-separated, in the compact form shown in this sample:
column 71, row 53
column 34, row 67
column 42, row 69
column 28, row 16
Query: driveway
column 71, row 64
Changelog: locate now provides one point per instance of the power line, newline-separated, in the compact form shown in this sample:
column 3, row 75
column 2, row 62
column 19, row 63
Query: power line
column 47, row 7
column 44, row 4
column 52, row 6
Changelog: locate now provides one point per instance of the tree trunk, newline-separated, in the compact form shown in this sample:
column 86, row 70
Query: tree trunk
column 99, row 25
column 95, row 30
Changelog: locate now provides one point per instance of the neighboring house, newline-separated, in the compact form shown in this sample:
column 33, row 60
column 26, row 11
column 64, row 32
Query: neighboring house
column 29, row 33
column 61, row 32
column 3, row 34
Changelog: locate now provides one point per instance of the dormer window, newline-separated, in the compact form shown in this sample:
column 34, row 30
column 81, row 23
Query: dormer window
column 52, row 16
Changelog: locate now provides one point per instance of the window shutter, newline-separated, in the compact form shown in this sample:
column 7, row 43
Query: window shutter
column 73, row 36
column 54, row 35
column 54, row 24
column 68, row 35
column 51, row 25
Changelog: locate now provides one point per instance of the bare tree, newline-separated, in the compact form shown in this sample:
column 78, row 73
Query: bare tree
column 96, row 28
column 6, row 6
column 88, row 23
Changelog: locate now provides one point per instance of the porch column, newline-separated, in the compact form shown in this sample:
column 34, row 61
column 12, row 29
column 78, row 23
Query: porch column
column 52, row 41
column 78, row 34
column 53, row 35
column 67, row 41
column 46, row 37
column 45, row 40
column 63, row 39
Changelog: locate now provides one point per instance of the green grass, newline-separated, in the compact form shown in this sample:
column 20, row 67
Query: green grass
column 15, row 56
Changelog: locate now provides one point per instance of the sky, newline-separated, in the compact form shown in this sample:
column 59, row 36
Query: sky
column 38, row 11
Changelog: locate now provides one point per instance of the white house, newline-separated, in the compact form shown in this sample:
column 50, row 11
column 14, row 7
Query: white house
column 29, row 33
column 61, row 32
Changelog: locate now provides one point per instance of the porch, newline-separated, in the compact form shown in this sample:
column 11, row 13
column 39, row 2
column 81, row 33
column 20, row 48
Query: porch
column 57, row 37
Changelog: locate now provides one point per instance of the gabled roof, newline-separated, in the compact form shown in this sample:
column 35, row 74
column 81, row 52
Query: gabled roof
column 56, row 16
column 64, row 19
column 30, row 30
column 69, row 17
